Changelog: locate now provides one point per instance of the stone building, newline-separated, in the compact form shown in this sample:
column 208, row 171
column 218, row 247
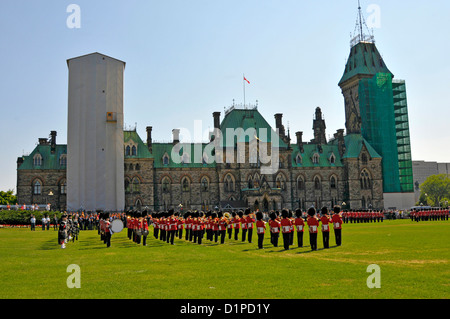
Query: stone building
column 345, row 170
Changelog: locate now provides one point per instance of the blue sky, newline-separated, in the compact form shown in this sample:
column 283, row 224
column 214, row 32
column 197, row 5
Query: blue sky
column 185, row 60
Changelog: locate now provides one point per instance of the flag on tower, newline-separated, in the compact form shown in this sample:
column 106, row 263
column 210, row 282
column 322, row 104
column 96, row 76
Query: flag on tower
column 246, row 80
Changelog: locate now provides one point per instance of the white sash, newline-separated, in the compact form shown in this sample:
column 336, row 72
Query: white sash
column 260, row 230
column 313, row 229
column 286, row 229
column 299, row 228
column 324, row 227
column 275, row 230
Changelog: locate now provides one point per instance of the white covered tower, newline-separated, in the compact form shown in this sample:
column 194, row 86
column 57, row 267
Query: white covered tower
column 95, row 156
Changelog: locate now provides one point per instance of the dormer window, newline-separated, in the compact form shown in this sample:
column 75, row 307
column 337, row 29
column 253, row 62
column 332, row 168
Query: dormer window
column 298, row 159
column 332, row 159
column 316, row 158
column 37, row 160
column 63, row 160
column 165, row 160
column 133, row 151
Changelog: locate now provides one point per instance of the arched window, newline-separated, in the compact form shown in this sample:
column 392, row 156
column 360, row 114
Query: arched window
column 332, row 159
column 333, row 182
column 37, row 160
column 316, row 158
column 63, row 160
column 229, row 183
column 166, row 185
column 256, row 181
column 138, row 167
column 136, row 185
column 127, row 185
column 204, row 184
column 133, row 151
column 365, row 180
column 185, row 185
column 127, row 150
column 250, row 182
column 298, row 159
column 63, row 187
column 166, row 159
column 317, row 185
column 300, row 183
column 280, row 182
column 37, row 187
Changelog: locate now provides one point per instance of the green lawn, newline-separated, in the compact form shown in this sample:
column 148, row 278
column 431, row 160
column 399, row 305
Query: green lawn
column 413, row 258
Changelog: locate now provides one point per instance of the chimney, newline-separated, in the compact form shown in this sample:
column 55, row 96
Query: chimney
column 299, row 140
column 19, row 161
column 216, row 116
column 53, row 142
column 176, row 136
column 149, row 138
column 279, row 124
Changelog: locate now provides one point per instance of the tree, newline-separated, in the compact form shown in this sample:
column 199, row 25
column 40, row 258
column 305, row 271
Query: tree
column 7, row 198
column 436, row 188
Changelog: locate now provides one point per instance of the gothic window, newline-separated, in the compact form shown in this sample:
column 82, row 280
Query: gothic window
column 131, row 167
column 317, row 185
column 298, row 159
column 165, row 159
column 63, row 160
column 185, row 185
column 138, row 167
column 333, row 182
column 133, row 151
column 63, row 187
column 332, row 159
column 37, row 160
column 256, row 181
column 136, row 187
column 229, row 183
column 37, row 187
column 365, row 180
column 128, row 150
column 250, row 182
column 316, row 158
column 280, row 182
column 166, row 185
column 300, row 183
column 127, row 186
column 204, row 184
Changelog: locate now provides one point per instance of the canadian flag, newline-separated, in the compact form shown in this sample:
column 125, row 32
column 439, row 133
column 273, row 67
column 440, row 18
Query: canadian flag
column 246, row 80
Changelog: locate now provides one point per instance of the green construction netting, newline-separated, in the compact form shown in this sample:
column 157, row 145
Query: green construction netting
column 379, row 126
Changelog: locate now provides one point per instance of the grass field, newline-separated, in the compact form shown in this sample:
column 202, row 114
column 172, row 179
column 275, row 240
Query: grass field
column 413, row 259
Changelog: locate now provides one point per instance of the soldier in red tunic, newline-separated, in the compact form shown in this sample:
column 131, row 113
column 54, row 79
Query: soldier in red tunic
column 274, row 225
column 286, row 228
column 260, row 229
column 249, row 221
column 337, row 224
column 299, row 226
column 313, row 225
column 325, row 219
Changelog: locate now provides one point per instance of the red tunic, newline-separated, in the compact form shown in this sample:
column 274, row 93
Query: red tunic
column 313, row 224
column 260, row 227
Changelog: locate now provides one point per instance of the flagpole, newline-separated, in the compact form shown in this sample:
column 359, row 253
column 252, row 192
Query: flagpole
column 243, row 82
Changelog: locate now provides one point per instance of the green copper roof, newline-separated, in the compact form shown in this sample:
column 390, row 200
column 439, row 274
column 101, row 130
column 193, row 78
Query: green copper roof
column 247, row 119
column 49, row 160
column 142, row 149
column 364, row 59
column 308, row 153
column 354, row 144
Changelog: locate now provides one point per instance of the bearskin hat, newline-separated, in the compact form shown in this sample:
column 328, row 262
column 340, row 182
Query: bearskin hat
column 298, row 213
column 311, row 211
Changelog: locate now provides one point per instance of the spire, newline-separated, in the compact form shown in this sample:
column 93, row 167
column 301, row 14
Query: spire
column 359, row 34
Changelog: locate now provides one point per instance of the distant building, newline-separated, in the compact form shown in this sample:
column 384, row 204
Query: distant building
column 422, row 170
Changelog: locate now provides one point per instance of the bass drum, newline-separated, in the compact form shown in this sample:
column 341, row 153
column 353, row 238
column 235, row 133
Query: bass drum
column 116, row 226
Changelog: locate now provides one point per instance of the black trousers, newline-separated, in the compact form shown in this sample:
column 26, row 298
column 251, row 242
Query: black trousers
column 291, row 238
column 313, row 240
column 194, row 236
column 337, row 235
column 222, row 236
column 156, row 232
column 326, row 239
column 286, row 240
column 108, row 239
column 230, row 232
column 274, row 239
column 180, row 233
column 260, row 240
column 244, row 233
column 171, row 236
column 188, row 233
column 236, row 234
column 249, row 234
column 144, row 240
column 300, row 238
column 200, row 237
column 216, row 235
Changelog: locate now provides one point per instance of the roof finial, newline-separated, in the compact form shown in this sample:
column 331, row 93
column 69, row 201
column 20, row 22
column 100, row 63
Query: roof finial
column 359, row 35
